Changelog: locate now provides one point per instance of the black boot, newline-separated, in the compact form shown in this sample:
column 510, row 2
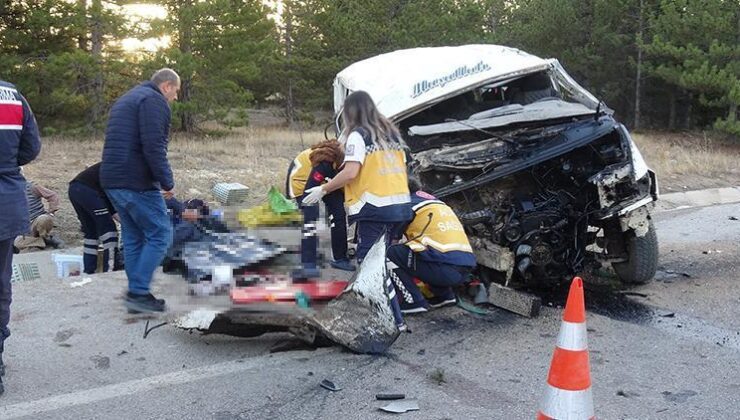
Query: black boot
column 143, row 303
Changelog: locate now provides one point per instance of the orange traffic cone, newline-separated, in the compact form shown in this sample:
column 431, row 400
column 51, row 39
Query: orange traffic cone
column 568, row 390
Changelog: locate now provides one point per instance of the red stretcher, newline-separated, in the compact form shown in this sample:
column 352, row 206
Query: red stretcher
column 287, row 292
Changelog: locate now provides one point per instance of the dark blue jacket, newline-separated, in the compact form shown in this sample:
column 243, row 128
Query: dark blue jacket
column 19, row 145
column 135, row 150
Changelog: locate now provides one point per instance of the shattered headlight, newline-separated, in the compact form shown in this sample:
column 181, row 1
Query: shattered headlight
column 639, row 166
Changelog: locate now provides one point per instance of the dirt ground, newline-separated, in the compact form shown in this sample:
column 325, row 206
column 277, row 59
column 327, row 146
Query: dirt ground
column 258, row 158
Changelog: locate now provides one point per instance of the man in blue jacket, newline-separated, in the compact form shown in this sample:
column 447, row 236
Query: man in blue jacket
column 137, row 178
column 19, row 145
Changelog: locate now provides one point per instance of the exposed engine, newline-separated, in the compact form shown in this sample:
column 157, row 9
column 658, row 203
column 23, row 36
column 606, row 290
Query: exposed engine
column 535, row 216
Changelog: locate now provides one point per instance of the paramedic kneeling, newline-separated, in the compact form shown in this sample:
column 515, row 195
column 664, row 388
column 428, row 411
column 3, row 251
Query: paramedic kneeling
column 436, row 251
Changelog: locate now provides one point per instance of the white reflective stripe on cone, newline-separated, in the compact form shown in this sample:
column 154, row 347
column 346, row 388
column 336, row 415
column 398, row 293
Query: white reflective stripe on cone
column 567, row 405
column 93, row 242
column 572, row 336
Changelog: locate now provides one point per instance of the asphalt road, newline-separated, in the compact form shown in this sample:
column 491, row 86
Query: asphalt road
column 673, row 351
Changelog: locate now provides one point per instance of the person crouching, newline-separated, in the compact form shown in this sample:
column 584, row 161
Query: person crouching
column 436, row 251
column 313, row 167
column 96, row 214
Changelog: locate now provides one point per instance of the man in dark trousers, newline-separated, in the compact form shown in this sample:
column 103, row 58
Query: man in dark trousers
column 137, row 177
column 19, row 145
column 96, row 213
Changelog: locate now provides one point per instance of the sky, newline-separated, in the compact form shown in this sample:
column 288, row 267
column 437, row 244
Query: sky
column 147, row 11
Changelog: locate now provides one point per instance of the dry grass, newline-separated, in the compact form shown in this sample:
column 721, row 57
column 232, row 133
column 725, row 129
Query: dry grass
column 256, row 157
column 259, row 158
column 690, row 161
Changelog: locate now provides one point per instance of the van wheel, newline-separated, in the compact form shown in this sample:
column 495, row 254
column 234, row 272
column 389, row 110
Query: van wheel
column 642, row 257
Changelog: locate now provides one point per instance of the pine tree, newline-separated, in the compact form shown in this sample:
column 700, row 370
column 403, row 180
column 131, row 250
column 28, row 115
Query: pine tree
column 696, row 49
column 217, row 48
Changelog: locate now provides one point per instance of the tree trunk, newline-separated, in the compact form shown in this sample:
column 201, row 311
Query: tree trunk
column 187, row 121
column 96, row 49
column 288, row 39
column 82, row 39
column 672, row 109
column 638, row 74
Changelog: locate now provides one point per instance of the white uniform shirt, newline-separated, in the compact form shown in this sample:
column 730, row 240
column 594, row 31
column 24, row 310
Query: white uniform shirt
column 354, row 149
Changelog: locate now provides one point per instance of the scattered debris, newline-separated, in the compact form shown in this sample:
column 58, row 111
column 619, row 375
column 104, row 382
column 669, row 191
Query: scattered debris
column 331, row 386
column 101, row 362
column 63, row 336
column 627, row 394
column 80, row 283
column 462, row 304
column 421, row 352
column 122, row 352
column 65, row 345
column 733, row 218
column 147, row 330
column 628, row 293
column 515, row 301
column 438, row 376
column 712, row 251
column 25, row 272
column 389, row 396
column 678, row 397
column 230, row 193
column 401, row 406
column 668, row 276
column 668, row 315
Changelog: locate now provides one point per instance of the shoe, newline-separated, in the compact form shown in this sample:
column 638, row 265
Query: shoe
column 343, row 265
column 306, row 273
column 144, row 303
column 439, row 302
column 414, row 308
column 54, row 242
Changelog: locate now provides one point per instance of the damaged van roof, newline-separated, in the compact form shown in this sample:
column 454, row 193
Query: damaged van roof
column 405, row 81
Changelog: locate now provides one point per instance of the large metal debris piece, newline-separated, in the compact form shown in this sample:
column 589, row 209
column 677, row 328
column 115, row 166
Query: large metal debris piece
column 361, row 318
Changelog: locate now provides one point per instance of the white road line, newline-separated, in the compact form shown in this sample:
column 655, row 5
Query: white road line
column 89, row 396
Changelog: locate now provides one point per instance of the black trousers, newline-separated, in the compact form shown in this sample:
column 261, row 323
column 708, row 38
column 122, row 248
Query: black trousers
column 439, row 277
column 334, row 203
column 97, row 223
column 6, row 292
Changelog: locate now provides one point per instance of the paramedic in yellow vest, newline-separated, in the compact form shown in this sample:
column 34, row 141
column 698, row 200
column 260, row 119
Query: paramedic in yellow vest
column 373, row 176
column 313, row 167
column 436, row 252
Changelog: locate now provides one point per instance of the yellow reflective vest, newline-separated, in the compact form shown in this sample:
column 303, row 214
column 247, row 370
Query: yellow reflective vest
column 380, row 191
column 299, row 172
column 436, row 233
